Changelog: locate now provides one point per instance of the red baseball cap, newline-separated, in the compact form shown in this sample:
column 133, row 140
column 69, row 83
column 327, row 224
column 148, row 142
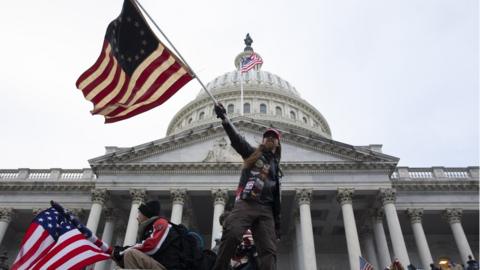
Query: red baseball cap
column 273, row 131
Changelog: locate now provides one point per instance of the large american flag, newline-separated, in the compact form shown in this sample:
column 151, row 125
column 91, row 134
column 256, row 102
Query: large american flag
column 364, row 265
column 250, row 62
column 134, row 73
column 53, row 242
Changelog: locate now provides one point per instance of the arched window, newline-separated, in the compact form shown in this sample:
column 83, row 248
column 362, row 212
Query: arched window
column 246, row 108
column 201, row 116
column 304, row 120
column 230, row 108
column 263, row 108
column 278, row 111
column 189, row 120
column 292, row 115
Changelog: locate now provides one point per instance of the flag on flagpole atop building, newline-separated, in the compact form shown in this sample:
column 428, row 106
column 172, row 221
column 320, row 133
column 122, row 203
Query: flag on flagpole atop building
column 250, row 62
column 364, row 265
column 53, row 242
column 135, row 72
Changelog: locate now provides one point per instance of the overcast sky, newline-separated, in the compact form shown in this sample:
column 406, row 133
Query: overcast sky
column 403, row 73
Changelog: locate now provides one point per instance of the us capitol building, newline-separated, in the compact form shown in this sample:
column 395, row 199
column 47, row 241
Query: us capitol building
column 339, row 201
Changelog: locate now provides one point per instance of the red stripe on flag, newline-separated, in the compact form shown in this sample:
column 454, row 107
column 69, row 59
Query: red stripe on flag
column 159, row 81
column 105, row 91
column 73, row 253
column 92, row 69
column 33, row 249
column 57, row 249
column 100, row 78
column 88, row 261
column 146, row 73
column 172, row 90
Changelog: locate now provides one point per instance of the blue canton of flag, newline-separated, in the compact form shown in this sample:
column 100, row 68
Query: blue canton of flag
column 250, row 62
column 53, row 242
column 364, row 265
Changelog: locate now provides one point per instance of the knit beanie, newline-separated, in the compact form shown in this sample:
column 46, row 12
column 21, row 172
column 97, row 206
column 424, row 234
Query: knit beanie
column 150, row 208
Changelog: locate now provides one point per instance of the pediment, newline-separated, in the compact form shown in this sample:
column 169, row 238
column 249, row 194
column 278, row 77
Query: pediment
column 211, row 145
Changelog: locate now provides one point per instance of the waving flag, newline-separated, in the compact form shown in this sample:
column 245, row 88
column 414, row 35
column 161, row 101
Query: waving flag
column 364, row 265
column 250, row 62
column 53, row 242
column 134, row 73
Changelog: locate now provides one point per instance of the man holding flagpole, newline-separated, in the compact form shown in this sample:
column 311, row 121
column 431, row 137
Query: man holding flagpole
column 257, row 200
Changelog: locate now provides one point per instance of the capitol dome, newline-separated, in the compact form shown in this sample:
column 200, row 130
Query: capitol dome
column 266, row 98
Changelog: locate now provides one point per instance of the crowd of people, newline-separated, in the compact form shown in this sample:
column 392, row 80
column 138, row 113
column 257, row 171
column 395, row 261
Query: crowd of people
column 472, row 264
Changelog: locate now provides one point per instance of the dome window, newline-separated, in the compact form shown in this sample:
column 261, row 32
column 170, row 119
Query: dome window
column 230, row 108
column 246, row 108
column 292, row 115
column 278, row 111
column 304, row 120
column 201, row 116
column 263, row 108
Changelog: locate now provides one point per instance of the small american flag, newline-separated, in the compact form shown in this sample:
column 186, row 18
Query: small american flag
column 134, row 73
column 53, row 242
column 250, row 62
column 364, row 265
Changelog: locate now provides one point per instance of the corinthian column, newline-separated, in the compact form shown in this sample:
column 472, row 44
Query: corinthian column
column 178, row 200
column 220, row 197
column 454, row 217
column 5, row 218
column 420, row 238
column 398, row 243
column 344, row 197
column 304, row 197
column 99, row 196
column 138, row 195
column 380, row 239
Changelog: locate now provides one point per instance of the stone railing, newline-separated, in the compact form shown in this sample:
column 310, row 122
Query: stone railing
column 436, row 173
column 46, row 175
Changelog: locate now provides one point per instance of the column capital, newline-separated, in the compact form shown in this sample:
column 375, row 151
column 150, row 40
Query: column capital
column 178, row 195
column 6, row 214
column 387, row 195
column 220, row 196
column 99, row 196
column 453, row 215
column 138, row 195
column 344, row 195
column 415, row 215
column 303, row 196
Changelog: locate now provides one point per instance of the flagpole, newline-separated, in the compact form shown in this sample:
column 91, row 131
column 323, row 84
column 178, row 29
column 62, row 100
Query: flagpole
column 176, row 51
column 241, row 88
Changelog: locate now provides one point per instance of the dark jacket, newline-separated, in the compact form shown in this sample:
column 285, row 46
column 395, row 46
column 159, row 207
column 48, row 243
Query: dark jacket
column 152, row 241
column 271, row 191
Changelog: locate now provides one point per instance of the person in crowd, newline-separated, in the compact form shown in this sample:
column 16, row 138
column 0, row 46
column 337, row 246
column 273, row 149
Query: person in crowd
column 411, row 267
column 396, row 265
column 257, row 201
column 151, row 230
column 472, row 264
column 434, row 267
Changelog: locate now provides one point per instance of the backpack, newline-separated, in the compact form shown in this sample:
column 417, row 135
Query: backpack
column 181, row 251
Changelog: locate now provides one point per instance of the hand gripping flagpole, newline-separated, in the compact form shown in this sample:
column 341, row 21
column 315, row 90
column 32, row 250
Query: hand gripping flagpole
column 176, row 51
